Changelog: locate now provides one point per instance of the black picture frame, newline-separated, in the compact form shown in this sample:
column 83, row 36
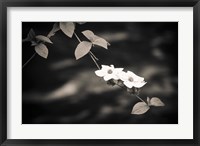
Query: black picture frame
column 4, row 4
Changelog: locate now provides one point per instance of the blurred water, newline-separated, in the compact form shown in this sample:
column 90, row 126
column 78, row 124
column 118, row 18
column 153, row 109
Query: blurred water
column 61, row 90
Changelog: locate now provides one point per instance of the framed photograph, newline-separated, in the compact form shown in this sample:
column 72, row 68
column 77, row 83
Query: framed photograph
column 99, row 72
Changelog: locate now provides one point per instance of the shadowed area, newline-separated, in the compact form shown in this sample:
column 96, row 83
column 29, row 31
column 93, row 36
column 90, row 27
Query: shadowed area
column 63, row 90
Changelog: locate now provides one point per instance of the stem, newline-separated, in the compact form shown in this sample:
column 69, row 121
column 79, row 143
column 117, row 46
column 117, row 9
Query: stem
column 95, row 61
column 93, row 57
column 140, row 98
column 121, row 86
column 28, row 60
column 77, row 37
column 132, row 94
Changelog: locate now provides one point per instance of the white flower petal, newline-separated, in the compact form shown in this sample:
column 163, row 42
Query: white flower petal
column 118, row 70
column 128, row 84
column 134, row 76
column 139, row 79
column 139, row 84
column 105, row 67
column 112, row 66
column 100, row 73
column 123, row 76
column 115, row 77
column 108, row 77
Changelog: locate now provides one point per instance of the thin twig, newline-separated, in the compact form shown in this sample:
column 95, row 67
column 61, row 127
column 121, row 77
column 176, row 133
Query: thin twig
column 29, row 60
column 132, row 94
column 93, row 56
column 121, row 86
column 77, row 37
column 140, row 98
column 94, row 61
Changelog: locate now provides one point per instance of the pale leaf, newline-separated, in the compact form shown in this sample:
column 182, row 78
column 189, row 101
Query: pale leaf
column 33, row 43
column 25, row 40
column 43, row 39
column 31, row 34
column 96, row 40
column 89, row 35
column 55, row 28
column 156, row 102
column 68, row 28
column 101, row 42
column 41, row 50
column 82, row 49
column 140, row 108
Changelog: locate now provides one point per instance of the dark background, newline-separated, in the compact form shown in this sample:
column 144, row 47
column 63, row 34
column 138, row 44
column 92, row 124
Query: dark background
column 61, row 90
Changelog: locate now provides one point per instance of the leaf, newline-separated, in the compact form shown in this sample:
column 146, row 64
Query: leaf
column 43, row 39
column 33, row 43
column 89, row 35
column 140, row 108
column 55, row 28
column 41, row 50
column 31, row 34
column 82, row 49
column 156, row 102
column 68, row 28
column 25, row 40
column 101, row 42
column 96, row 40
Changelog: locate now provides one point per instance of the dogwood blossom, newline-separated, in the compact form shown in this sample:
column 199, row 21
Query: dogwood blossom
column 131, row 80
column 108, row 72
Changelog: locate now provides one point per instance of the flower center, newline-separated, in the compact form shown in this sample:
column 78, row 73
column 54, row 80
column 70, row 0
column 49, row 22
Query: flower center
column 109, row 71
column 130, row 79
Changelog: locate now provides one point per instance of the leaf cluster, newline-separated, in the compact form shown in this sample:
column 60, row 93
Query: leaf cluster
column 38, row 41
column 142, row 107
column 68, row 28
